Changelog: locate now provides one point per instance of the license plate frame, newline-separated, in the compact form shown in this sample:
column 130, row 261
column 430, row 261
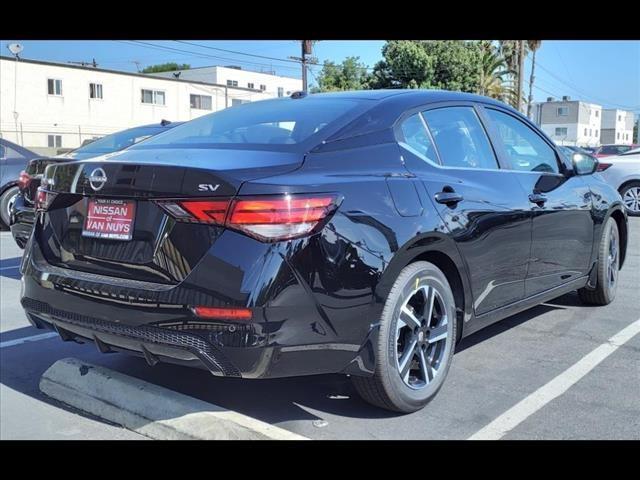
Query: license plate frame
column 110, row 219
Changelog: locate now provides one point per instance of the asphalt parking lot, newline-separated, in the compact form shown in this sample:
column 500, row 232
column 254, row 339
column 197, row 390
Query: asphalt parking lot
column 493, row 371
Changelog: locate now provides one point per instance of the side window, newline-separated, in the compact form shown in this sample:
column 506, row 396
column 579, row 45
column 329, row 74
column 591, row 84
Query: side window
column 417, row 137
column 460, row 138
column 525, row 149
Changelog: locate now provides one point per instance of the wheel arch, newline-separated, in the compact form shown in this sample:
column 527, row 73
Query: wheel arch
column 441, row 251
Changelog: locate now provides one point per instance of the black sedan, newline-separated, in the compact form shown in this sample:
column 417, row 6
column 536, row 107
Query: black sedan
column 358, row 232
column 21, row 210
column 13, row 159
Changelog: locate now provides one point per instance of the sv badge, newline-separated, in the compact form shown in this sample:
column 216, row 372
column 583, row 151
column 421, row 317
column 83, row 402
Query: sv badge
column 207, row 187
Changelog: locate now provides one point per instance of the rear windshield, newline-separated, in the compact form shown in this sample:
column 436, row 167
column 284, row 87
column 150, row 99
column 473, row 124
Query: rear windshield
column 120, row 140
column 266, row 122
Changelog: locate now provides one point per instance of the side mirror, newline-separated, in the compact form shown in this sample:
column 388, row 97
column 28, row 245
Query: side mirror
column 584, row 164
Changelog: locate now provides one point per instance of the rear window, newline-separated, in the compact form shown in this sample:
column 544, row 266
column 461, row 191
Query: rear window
column 119, row 140
column 266, row 122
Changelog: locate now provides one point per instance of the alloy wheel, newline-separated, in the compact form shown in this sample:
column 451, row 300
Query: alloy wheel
column 422, row 332
column 631, row 199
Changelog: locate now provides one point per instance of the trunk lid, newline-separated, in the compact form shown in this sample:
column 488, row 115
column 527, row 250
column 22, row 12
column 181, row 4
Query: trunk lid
column 160, row 249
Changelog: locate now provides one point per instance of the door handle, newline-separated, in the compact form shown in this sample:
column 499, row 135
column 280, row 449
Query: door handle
column 448, row 198
column 538, row 199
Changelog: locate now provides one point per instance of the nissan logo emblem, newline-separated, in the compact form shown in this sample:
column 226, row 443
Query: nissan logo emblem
column 97, row 179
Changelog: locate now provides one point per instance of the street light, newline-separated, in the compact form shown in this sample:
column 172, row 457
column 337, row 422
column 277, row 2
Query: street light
column 15, row 49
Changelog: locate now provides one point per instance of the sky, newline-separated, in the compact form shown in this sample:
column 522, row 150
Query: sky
column 602, row 72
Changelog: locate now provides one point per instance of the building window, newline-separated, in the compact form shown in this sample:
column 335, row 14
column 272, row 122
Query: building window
column 596, row 133
column 563, row 111
column 280, row 91
column 263, row 87
column 232, row 83
column 95, row 90
column 250, row 85
column 585, row 132
column 54, row 87
column 619, row 118
column 618, row 136
column 597, row 113
column 238, row 101
column 54, row 141
column 561, row 132
column 590, row 132
column 201, row 102
column 153, row 97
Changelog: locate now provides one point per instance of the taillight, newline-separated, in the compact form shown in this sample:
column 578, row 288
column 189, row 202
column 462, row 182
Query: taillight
column 44, row 198
column 267, row 218
column 281, row 218
column 603, row 166
column 23, row 180
column 223, row 313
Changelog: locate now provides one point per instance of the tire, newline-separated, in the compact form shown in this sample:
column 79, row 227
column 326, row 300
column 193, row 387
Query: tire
column 607, row 268
column 417, row 283
column 630, row 194
column 5, row 203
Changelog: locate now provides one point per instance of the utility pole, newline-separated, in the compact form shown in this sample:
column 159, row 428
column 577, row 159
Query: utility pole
column 520, row 72
column 307, row 46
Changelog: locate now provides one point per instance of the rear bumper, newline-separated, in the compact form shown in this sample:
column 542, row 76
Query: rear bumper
column 21, row 221
column 288, row 335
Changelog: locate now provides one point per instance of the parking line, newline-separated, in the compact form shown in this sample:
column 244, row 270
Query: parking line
column 9, row 268
column 33, row 338
column 506, row 422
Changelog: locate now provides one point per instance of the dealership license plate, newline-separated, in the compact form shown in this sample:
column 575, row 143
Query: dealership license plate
column 109, row 218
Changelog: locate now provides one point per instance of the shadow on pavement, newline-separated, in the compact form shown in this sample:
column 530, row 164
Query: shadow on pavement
column 273, row 401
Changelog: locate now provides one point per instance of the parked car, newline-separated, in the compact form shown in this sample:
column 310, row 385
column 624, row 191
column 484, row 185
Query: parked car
column 609, row 150
column 13, row 159
column 622, row 172
column 22, row 209
column 363, row 233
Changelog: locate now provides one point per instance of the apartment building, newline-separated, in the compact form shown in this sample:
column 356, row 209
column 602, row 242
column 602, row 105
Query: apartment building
column 617, row 126
column 569, row 122
column 46, row 106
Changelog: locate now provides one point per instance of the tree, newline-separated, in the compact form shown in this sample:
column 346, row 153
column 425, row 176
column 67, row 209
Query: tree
column 493, row 70
column 510, row 51
column 440, row 64
column 166, row 67
column 351, row 74
column 533, row 45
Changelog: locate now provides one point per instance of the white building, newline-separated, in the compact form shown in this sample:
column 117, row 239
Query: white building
column 231, row 76
column 45, row 106
column 569, row 122
column 617, row 126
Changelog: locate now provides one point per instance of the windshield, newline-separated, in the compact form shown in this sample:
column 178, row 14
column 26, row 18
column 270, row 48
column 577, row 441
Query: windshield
column 120, row 140
column 266, row 122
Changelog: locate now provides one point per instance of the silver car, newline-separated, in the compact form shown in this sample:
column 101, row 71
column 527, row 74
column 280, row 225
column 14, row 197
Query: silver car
column 623, row 173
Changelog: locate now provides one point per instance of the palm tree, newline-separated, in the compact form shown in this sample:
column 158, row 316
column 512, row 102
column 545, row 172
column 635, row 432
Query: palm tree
column 493, row 70
column 533, row 45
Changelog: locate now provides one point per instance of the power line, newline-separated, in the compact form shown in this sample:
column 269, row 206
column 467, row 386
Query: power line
column 198, row 54
column 236, row 52
column 581, row 92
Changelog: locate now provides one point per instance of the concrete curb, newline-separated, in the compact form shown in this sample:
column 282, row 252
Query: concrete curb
column 148, row 409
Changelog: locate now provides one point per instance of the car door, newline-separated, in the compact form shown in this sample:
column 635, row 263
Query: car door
column 560, row 203
column 484, row 207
